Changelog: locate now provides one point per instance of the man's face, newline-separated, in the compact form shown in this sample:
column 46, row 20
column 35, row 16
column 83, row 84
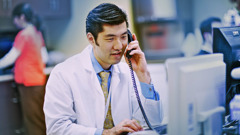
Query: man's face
column 111, row 44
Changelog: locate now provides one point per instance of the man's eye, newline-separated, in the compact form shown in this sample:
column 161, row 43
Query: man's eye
column 110, row 39
column 124, row 37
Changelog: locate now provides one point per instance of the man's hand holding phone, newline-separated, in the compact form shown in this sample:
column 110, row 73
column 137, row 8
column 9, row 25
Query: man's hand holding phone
column 139, row 63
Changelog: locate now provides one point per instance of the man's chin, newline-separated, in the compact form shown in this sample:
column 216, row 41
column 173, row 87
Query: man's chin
column 116, row 61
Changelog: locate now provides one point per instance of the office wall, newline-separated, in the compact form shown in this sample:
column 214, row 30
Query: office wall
column 73, row 39
column 69, row 36
column 203, row 9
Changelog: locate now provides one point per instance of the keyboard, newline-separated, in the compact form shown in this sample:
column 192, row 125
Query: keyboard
column 158, row 130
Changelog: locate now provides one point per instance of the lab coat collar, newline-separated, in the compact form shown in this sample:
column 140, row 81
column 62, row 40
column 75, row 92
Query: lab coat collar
column 89, row 68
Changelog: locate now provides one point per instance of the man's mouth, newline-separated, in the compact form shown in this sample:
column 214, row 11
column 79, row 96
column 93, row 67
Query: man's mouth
column 116, row 53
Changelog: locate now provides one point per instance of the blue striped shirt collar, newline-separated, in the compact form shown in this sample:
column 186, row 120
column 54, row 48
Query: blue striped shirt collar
column 97, row 67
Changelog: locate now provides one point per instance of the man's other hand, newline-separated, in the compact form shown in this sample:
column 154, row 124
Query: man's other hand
column 125, row 126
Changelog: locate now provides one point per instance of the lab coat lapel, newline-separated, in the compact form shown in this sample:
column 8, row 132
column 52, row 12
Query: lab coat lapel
column 115, row 90
column 89, row 68
column 96, row 83
column 115, row 81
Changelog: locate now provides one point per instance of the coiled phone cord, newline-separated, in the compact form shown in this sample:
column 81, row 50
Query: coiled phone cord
column 137, row 95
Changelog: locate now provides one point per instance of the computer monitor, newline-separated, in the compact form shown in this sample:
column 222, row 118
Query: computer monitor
column 226, row 40
column 6, row 43
column 196, row 87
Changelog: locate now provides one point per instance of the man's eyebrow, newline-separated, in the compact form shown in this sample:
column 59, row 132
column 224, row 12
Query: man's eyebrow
column 112, row 35
column 124, row 33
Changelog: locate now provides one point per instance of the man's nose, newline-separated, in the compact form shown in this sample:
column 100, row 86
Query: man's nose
column 118, row 44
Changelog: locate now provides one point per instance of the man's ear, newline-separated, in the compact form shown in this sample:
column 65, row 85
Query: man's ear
column 91, row 38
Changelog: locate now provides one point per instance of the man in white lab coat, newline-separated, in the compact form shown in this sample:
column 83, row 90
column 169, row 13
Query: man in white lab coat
column 75, row 103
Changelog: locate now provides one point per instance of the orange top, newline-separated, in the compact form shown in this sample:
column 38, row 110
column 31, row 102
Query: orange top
column 29, row 65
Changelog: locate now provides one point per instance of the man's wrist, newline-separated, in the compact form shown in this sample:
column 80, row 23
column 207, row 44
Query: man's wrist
column 144, row 77
column 107, row 132
column 98, row 132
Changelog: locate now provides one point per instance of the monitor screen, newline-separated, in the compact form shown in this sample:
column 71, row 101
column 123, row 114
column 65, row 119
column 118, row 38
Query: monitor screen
column 196, row 94
column 6, row 43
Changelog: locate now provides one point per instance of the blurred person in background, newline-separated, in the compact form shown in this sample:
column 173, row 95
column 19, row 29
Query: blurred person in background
column 232, row 17
column 206, row 28
column 29, row 55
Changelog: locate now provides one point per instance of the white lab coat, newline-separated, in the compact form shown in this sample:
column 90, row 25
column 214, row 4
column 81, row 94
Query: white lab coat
column 74, row 101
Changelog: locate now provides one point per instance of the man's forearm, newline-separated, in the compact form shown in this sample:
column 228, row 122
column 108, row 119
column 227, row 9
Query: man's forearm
column 144, row 77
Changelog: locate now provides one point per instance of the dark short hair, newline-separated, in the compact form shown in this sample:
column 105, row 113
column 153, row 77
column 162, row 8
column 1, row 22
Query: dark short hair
column 25, row 9
column 206, row 25
column 105, row 13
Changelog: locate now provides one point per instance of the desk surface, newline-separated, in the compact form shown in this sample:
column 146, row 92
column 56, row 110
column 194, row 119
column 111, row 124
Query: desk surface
column 9, row 77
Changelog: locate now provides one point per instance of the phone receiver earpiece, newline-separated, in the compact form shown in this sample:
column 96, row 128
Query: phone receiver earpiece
column 129, row 40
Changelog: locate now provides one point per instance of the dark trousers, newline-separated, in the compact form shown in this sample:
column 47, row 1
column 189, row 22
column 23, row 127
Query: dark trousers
column 32, row 99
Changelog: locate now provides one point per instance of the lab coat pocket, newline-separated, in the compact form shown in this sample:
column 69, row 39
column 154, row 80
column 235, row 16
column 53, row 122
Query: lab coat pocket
column 89, row 113
column 83, row 115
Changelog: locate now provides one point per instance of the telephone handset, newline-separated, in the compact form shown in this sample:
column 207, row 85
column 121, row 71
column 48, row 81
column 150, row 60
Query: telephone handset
column 134, row 82
column 129, row 40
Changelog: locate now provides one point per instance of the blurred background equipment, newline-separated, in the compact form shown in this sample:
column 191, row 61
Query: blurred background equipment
column 156, row 23
column 6, row 43
column 226, row 40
